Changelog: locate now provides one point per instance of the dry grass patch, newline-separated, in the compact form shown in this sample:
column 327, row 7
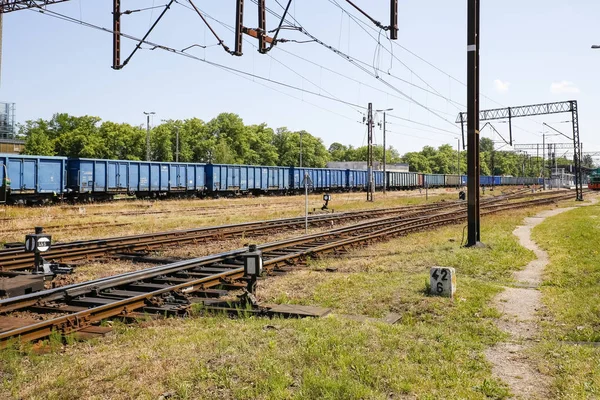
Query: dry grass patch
column 91, row 221
column 435, row 351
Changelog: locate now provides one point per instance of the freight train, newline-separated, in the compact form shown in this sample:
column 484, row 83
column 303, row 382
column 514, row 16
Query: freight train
column 42, row 179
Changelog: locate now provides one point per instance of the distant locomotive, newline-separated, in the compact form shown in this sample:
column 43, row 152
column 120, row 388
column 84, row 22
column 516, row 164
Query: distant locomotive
column 42, row 179
column 594, row 180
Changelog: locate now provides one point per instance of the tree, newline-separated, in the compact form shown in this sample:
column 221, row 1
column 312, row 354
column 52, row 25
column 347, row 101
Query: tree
column 262, row 148
column 37, row 139
column 314, row 153
column 587, row 161
column 123, row 141
column 417, row 162
column 338, row 152
column 486, row 145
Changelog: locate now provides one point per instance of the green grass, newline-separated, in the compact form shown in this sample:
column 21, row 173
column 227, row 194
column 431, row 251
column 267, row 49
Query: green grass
column 572, row 301
column 435, row 351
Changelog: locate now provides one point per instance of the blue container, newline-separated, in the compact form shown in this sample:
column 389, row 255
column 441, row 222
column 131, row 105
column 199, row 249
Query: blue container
column 34, row 174
column 246, row 178
column 356, row 179
column 433, row 180
column 319, row 178
column 134, row 177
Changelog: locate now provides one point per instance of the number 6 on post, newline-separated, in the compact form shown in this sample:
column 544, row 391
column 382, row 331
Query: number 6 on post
column 442, row 281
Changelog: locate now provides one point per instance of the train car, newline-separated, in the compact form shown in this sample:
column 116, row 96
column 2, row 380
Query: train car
column 594, row 180
column 95, row 179
column 433, row 180
column 319, row 179
column 402, row 180
column 356, row 179
column 486, row 180
column 452, row 180
column 32, row 179
column 378, row 179
column 241, row 179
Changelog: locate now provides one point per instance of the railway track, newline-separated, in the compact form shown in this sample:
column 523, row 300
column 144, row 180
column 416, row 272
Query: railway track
column 14, row 259
column 172, row 289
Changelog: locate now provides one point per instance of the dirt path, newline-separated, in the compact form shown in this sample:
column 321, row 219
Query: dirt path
column 518, row 306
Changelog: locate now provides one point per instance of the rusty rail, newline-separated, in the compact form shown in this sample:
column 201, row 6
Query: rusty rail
column 171, row 288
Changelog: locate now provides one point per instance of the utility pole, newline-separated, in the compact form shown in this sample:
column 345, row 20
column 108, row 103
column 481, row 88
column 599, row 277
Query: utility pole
column 473, row 216
column 371, row 184
column 384, row 149
column 458, row 161
column 544, row 161
column 148, row 114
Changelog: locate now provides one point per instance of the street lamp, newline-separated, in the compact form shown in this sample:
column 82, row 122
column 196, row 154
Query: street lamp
column 384, row 160
column 148, row 114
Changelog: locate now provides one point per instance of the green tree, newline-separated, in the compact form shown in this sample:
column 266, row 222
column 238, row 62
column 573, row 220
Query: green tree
column 123, row 141
column 314, row 153
column 37, row 138
column 486, row 145
column 338, row 152
column 262, row 148
column 417, row 162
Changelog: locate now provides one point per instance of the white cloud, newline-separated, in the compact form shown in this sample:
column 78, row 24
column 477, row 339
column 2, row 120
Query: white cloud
column 501, row 87
column 563, row 87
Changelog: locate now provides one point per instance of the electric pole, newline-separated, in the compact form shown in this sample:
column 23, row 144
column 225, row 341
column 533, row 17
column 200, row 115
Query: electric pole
column 384, row 149
column 458, row 161
column 148, row 114
column 371, row 184
column 473, row 167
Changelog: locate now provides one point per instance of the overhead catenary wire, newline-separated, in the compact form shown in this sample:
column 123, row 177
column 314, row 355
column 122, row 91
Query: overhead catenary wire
column 329, row 69
column 397, row 43
column 224, row 67
column 231, row 29
column 188, row 55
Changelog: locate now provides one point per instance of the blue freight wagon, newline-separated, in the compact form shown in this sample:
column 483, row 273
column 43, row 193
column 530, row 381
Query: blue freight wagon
column 320, row 179
column 32, row 179
column 378, row 179
column 103, row 179
column 433, row 180
column 240, row 179
column 485, row 180
column 356, row 179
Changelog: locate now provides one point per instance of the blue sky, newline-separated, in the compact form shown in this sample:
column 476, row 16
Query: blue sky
column 532, row 52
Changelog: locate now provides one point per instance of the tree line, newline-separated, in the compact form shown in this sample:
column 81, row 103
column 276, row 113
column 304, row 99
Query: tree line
column 226, row 139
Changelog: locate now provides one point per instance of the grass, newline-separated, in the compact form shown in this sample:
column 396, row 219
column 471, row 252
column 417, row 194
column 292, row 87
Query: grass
column 435, row 351
column 93, row 221
column 572, row 302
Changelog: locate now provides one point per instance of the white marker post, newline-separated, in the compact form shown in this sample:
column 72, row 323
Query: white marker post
column 442, row 281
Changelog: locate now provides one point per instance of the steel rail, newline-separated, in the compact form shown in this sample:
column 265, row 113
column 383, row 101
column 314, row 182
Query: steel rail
column 297, row 249
column 18, row 259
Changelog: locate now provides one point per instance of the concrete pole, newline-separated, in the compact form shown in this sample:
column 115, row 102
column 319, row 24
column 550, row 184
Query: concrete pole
column 384, row 161
column 147, row 137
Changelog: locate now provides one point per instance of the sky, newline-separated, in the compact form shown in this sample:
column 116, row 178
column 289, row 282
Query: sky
column 533, row 51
